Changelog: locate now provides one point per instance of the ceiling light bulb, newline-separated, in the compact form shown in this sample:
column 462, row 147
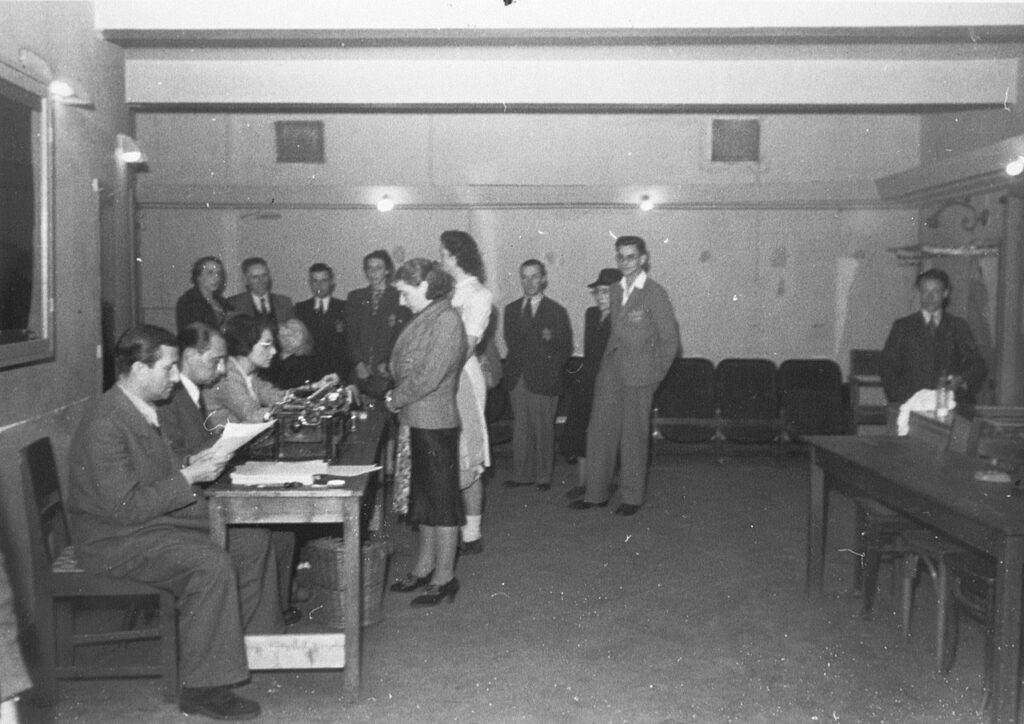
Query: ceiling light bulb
column 386, row 203
column 1015, row 167
column 646, row 204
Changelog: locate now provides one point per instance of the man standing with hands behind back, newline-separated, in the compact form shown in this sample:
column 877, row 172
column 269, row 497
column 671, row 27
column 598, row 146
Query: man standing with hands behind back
column 539, row 340
column 644, row 340
column 324, row 317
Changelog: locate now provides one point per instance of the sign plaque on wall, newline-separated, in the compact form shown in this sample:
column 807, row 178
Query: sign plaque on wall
column 300, row 141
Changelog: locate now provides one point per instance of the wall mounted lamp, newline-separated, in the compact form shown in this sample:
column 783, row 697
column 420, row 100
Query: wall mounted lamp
column 68, row 94
column 971, row 219
column 385, row 204
column 646, row 204
column 128, row 151
column 1015, row 167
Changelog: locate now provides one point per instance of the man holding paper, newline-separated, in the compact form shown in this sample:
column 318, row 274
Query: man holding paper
column 184, row 422
column 138, row 514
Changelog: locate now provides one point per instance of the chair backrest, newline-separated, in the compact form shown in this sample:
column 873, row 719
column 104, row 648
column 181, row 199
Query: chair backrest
column 687, row 392
column 42, row 487
column 746, row 389
column 811, row 397
column 865, row 361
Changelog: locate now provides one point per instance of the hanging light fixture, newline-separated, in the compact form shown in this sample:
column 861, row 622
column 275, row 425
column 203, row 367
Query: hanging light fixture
column 646, row 204
column 128, row 151
column 385, row 204
column 1015, row 167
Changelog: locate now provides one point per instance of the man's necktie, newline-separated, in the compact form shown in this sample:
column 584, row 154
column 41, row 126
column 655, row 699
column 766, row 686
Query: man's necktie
column 933, row 324
column 264, row 309
column 528, row 311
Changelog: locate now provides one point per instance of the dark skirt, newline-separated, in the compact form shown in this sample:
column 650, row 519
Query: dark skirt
column 434, row 497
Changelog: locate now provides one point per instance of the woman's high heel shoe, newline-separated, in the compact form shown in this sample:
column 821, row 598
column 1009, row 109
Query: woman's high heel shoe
column 435, row 594
column 411, row 582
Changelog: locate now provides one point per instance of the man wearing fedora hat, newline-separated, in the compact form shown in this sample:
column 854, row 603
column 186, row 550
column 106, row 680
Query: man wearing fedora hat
column 644, row 340
column 597, row 326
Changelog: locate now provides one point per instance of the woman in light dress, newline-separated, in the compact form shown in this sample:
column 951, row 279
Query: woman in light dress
column 460, row 257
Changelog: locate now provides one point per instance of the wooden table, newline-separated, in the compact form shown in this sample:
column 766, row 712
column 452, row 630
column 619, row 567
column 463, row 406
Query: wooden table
column 245, row 505
column 935, row 488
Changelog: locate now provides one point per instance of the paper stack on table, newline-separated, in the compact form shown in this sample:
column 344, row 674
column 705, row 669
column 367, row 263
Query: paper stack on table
column 302, row 472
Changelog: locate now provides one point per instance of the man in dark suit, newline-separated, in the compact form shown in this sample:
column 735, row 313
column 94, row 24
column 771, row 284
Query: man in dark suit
column 138, row 514
column 324, row 316
column 183, row 422
column 258, row 301
column 644, row 340
column 539, row 340
column 931, row 344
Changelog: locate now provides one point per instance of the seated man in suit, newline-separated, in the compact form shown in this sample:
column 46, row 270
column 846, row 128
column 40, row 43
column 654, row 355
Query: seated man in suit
column 931, row 344
column 138, row 514
column 183, row 421
column 324, row 317
column 258, row 301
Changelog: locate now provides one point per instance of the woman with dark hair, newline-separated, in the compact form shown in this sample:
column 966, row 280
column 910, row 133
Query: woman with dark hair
column 374, row 318
column 205, row 301
column 426, row 362
column 243, row 396
column 460, row 257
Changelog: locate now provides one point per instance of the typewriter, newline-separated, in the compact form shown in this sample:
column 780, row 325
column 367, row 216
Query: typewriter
column 310, row 425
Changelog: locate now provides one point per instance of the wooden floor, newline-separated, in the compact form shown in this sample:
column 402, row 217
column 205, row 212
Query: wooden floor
column 691, row 611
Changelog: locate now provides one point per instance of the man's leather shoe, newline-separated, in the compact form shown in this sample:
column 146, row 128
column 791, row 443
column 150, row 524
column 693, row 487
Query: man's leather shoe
column 584, row 505
column 217, row 702
column 627, row 509
column 577, row 491
column 543, row 487
column 516, row 484
column 291, row 615
column 469, row 548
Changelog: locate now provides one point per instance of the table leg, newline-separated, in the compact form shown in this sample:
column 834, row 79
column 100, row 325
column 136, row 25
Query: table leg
column 1006, row 673
column 815, row 528
column 218, row 523
column 351, row 564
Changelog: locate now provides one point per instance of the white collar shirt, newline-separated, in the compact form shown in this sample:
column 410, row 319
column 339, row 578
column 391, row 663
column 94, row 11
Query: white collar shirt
column 638, row 283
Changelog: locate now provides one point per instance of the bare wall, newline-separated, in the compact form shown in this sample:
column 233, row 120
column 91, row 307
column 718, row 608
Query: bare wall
column 47, row 398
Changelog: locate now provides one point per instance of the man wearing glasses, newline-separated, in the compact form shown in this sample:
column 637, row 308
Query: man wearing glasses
column 644, row 340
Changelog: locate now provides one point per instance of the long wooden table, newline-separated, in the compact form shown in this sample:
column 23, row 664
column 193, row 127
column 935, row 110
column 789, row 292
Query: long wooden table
column 244, row 505
column 937, row 489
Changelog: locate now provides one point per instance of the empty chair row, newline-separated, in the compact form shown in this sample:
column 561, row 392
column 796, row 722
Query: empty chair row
column 750, row 400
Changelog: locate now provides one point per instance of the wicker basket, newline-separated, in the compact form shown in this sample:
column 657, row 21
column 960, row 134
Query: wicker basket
column 327, row 603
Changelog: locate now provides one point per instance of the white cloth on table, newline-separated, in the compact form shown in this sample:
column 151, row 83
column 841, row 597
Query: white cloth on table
column 920, row 401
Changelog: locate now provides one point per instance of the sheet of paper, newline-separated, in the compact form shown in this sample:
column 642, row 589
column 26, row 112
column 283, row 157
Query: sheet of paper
column 351, row 471
column 237, row 434
column 278, row 473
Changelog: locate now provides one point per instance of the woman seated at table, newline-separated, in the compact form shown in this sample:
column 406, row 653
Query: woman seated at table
column 242, row 395
column 425, row 363
column 205, row 301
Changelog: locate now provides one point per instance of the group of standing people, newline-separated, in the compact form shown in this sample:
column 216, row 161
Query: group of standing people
column 631, row 339
column 144, row 450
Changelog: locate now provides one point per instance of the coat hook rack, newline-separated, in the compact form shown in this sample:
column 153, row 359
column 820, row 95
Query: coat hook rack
column 970, row 220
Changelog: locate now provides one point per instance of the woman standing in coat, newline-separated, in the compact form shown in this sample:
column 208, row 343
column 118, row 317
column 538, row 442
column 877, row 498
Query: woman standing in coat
column 426, row 362
column 597, row 328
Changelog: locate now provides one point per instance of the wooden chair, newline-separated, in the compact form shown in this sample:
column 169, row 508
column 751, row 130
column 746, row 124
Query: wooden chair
column 58, row 582
column 865, row 366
